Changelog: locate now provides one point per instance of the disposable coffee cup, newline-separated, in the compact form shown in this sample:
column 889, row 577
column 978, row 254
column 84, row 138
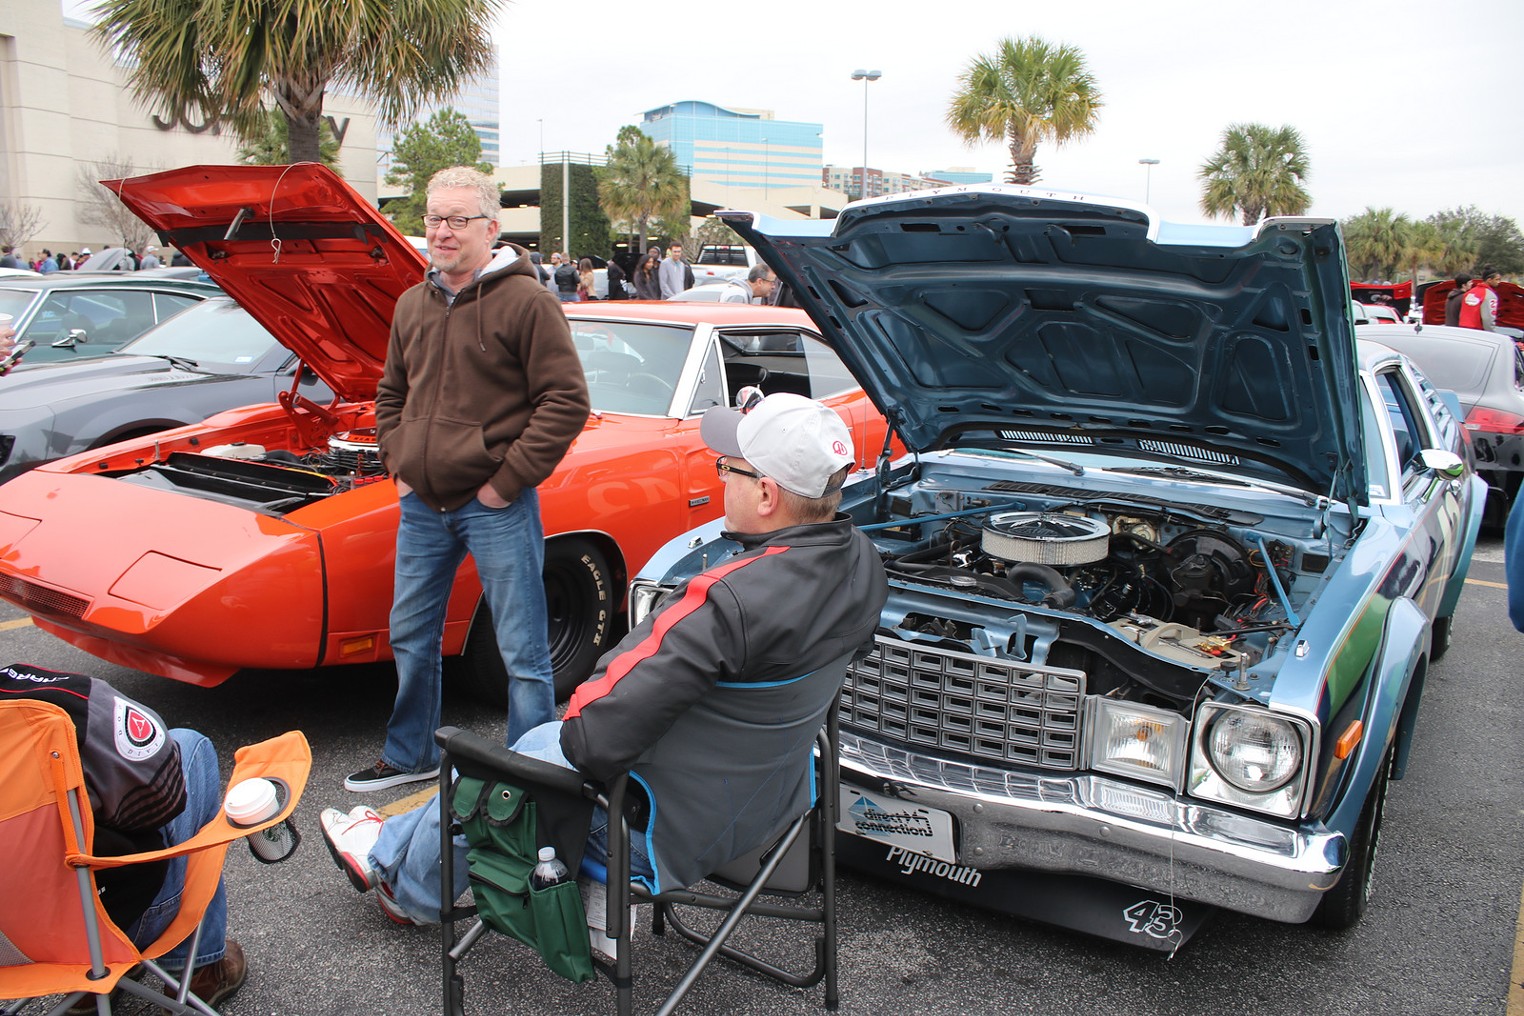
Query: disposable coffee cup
column 6, row 319
column 254, row 801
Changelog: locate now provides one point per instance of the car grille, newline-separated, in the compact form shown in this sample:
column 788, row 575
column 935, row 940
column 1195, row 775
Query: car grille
column 41, row 599
column 994, row 709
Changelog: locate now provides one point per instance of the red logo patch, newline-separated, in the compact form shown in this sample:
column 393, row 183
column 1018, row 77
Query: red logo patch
column 839, row 447
column 140, row 729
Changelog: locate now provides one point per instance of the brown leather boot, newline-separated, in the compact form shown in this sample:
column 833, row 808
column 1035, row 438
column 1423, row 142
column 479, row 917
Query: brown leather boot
column 215, row 982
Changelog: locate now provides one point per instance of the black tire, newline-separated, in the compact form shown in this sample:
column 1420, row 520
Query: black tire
column 580, row 606
column 1439, row 640
column 1344, row 904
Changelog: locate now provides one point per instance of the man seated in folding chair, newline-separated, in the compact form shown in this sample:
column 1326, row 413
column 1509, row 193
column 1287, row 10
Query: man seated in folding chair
column 150, row 787
column 713, row 702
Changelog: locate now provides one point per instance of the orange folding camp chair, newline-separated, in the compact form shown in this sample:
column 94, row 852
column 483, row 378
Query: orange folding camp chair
column 55, row 937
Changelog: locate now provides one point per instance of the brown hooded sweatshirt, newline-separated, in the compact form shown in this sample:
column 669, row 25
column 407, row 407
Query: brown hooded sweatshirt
column 485, row 388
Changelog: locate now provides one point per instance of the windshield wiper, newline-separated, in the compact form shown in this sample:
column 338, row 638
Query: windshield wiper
column 179, row 361
column 1181, row 473
column 1184, row 473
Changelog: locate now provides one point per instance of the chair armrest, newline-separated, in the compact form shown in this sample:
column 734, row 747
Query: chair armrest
column 287, row 758
column 474, row 755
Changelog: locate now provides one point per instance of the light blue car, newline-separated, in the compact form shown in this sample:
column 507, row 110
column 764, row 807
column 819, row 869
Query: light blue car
column 1169, row 561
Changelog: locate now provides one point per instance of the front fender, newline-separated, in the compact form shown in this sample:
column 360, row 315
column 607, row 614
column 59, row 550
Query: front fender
column 1403, row 642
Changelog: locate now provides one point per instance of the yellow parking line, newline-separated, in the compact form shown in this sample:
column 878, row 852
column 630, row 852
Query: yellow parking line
column 1516, row 982
column 20, row 622
column 1484, row 582
column 409, row 802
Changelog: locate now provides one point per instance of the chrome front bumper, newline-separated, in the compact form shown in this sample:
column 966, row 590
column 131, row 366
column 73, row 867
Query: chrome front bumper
column 1085, row 824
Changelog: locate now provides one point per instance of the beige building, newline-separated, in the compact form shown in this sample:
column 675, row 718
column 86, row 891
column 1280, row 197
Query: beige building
column 64, row 104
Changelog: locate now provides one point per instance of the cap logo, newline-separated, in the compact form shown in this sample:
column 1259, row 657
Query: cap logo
column 138, row 735
column 839, row 447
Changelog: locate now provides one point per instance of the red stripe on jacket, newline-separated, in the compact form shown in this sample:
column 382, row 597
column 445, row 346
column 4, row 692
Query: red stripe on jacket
column 697, row 592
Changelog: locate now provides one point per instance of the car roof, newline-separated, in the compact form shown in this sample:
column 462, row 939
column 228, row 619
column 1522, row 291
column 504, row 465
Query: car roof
column 690, row 313
column 71, row 280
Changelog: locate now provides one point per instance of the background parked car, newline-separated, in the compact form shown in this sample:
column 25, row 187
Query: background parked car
column 212, row 357
column 1485, row 370
column 74, row 316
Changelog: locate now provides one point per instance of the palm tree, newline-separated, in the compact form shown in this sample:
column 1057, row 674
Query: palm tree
column 1425, row 248
column 271, row 144
column 1376, row 242
column 1258, row 171
column 641, row 182
column 222, row 57
column 1024, row 93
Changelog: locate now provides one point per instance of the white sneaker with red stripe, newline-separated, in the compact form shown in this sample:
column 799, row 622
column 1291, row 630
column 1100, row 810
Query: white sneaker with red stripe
column 349, row 838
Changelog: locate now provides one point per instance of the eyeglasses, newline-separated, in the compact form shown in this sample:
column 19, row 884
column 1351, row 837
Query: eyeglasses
column 723, row 466
column 455, row 221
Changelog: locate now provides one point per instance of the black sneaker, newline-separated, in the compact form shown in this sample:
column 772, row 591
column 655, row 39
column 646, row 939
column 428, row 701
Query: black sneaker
column 381, row 776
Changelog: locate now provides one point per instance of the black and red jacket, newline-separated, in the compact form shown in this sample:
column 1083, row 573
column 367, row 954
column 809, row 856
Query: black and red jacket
column 713, row 701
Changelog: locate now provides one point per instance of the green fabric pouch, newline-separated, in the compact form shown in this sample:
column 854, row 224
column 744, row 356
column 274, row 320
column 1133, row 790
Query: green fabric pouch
column 500, row 821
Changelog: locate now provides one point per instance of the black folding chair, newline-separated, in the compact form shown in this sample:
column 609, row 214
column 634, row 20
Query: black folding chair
column 800, row 863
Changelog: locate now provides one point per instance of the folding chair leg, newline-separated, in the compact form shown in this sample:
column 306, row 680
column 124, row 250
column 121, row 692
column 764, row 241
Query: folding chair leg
column 723, row 932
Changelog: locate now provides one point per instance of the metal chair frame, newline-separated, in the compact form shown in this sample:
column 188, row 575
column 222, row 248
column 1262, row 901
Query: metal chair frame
column 813, row 829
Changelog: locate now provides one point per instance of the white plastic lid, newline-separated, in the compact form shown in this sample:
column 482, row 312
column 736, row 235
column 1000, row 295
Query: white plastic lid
column 547, row 853
column 250, row 802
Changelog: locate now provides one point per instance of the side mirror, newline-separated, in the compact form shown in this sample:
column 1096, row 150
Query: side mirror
column 1446, row 464
column 76, row 337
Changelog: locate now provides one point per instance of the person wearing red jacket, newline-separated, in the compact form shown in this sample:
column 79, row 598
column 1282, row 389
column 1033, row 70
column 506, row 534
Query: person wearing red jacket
column 1479, row 307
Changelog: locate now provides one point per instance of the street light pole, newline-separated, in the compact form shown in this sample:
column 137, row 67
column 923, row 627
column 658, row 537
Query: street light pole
column 1148, row 172
column 865, row 77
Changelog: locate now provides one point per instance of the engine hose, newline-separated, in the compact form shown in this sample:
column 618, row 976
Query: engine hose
column 1060, row 593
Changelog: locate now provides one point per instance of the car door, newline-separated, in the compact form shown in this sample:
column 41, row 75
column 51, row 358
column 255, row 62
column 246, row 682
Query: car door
column 1434, row 505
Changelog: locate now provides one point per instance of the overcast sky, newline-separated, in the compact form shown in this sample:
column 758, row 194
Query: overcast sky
column 1407, row 105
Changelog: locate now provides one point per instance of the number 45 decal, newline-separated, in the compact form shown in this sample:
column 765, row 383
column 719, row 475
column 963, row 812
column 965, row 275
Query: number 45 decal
column 1150, row 917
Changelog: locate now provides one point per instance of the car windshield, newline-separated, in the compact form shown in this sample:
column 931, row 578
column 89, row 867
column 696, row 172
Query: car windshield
column 14, row 301
column 214, row 332
column 631, row 368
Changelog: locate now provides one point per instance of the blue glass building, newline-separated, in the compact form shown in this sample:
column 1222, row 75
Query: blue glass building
column 737, row 147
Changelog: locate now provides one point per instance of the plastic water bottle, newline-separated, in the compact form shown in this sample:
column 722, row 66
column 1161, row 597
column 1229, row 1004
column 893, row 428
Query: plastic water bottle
column 550, row 871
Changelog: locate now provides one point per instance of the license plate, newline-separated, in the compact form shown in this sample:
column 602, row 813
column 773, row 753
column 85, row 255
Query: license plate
column 911, row 827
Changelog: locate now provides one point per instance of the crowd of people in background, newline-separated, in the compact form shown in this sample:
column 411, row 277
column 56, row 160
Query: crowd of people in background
column 47, row 262
column 650, row 276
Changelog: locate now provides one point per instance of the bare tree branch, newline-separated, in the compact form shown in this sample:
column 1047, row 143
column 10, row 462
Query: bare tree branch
column 19, row 222
column 100, row 207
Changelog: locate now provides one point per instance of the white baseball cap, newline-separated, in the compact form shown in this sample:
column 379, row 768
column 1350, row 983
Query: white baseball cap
column 84, row 250
column 797, row 441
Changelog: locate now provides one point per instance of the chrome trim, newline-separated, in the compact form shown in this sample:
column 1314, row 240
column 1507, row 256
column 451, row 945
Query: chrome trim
column 1113, row 829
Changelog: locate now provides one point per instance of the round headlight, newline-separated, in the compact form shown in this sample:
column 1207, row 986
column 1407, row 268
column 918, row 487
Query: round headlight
column 1255, row 752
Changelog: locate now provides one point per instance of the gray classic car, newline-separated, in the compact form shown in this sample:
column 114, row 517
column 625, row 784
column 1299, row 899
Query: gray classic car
column 1168, row 562
column 207, row 359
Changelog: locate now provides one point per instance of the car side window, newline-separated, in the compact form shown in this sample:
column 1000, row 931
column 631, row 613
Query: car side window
column 1409, row 426
column 710, row 390
column 167, row 305
column 106, row 319
column 783, row 361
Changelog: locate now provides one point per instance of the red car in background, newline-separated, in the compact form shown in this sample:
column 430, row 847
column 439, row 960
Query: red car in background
column 264, row 537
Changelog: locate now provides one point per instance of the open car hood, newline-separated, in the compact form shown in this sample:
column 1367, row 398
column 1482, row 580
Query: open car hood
column 303, row 253
column 983, row 316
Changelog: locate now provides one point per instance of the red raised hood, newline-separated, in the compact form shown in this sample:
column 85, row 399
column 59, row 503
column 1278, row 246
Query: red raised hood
column 298, row 248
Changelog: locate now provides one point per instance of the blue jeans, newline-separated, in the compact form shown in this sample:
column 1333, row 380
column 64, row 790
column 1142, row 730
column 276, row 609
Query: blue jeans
column 508, row 545
column 203, row 800
column 406, row 855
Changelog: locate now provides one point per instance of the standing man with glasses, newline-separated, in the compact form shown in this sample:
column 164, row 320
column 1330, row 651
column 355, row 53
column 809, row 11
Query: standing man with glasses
column 481, row 396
